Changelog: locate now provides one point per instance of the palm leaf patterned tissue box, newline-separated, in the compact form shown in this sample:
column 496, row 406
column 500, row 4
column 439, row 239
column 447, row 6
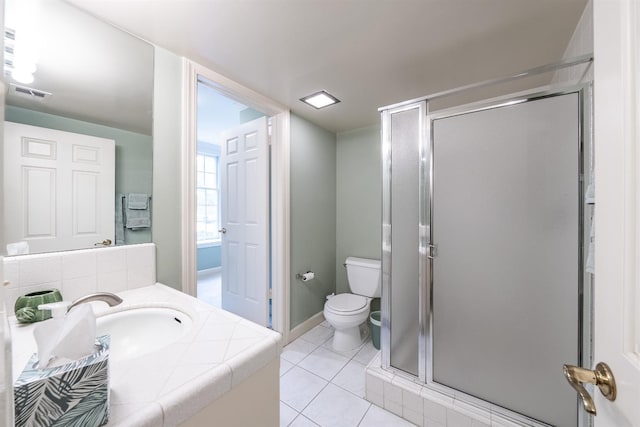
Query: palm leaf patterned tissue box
column 73, row 394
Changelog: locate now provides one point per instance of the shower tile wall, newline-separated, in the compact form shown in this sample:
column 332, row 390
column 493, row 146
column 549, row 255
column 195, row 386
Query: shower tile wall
column 423, row 406
column 78, row 273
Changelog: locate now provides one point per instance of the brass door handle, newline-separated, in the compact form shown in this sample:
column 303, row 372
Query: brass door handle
column 105, row 242
column 601, row 376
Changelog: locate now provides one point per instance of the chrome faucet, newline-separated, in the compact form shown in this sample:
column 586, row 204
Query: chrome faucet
column 109, row 298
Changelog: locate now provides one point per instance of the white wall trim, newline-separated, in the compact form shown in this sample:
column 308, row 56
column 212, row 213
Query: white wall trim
column 280, row 223
column 617, row 208
column 280, row 211
column 210, row 270
column 188, row 165
column 306, row 326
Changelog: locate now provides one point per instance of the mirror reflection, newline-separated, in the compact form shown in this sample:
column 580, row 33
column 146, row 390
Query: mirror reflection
column 78, row 131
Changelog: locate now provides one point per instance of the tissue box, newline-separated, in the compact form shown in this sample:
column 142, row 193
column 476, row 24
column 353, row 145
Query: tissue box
column 73, row 394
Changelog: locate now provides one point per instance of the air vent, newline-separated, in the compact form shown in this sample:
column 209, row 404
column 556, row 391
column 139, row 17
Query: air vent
column 28, row 92
column 10, row 34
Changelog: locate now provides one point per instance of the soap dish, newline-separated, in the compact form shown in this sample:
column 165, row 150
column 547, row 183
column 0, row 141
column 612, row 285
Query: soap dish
column 26, row 306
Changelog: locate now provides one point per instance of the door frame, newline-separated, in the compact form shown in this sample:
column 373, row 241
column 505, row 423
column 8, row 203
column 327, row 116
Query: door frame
column 617, row 209
column 280, row 186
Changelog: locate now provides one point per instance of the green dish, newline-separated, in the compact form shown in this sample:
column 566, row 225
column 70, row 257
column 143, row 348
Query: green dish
column 26, row 307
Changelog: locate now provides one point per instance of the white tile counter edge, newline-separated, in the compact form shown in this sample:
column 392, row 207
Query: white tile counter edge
column 138, row 385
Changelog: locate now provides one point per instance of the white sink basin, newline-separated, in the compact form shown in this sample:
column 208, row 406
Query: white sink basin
column 139, row 331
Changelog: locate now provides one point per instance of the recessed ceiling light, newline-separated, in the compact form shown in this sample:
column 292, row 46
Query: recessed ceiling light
column 320, row 99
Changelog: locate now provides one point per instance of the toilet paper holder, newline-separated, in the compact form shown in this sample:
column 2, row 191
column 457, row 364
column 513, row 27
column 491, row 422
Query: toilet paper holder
column 305, row 277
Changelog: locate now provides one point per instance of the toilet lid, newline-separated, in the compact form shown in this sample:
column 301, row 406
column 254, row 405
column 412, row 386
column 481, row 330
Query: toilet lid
column 347, row 302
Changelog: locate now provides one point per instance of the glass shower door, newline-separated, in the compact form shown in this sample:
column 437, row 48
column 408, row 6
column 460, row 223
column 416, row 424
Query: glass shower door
column 402, row 146
column 506, row 281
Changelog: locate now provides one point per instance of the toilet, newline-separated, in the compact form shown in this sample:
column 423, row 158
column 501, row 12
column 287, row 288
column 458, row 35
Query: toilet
column 347, row 311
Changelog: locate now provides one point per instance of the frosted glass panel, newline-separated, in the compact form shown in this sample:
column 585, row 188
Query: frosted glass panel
column 506, row 277
column 405, row 133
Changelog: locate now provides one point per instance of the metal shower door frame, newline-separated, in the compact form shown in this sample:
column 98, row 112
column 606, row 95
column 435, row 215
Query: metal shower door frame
column 427, row 249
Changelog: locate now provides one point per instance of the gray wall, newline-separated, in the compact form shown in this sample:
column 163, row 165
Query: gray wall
column 167, row 129
column 358, row 198
column 134, row 153
column 313, row 217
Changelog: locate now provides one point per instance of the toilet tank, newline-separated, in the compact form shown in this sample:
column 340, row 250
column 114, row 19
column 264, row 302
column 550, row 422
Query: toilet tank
column 364, row 276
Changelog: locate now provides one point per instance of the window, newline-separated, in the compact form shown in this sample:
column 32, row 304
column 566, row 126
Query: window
column 207, row 223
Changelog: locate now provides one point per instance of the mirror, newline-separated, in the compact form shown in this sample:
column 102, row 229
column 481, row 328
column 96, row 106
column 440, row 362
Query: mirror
column 68, row 71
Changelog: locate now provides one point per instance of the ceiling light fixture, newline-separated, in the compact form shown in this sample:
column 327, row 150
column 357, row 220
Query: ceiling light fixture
column 320, row 99
column 20, row 56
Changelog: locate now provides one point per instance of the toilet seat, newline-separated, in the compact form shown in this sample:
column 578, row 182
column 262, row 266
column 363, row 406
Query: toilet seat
column 347, row 303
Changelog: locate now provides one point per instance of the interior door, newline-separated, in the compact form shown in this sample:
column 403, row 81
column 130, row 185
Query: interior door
column 59, row 188
column 245, row 221
column 617, row 212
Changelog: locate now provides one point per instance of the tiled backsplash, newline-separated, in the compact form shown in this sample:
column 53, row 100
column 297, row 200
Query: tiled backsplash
column 81, row 272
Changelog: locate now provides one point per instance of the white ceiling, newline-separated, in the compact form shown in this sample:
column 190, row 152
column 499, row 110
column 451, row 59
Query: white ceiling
column 368, row 53
column 95, row 73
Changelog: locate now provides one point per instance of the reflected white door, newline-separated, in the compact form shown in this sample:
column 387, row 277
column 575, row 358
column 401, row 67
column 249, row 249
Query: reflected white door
column 59, row 188
column 245, row 221
column 617, row 209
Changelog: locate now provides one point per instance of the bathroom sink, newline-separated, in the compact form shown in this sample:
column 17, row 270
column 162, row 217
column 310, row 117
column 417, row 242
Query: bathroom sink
column 143, row 330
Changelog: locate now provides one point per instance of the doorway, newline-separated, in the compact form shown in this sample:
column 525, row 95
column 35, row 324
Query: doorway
column 257, row 192
column 232, row 205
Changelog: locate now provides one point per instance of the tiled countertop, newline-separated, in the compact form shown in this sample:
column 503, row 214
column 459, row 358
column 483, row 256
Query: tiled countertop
column 169, row 386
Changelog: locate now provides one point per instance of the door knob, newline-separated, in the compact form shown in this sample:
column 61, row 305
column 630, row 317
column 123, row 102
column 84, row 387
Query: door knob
column 105, row 242
column 601, row 376
column 222, row 230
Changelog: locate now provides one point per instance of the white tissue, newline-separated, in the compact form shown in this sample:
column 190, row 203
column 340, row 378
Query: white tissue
column 309, row 275
column 66, row 339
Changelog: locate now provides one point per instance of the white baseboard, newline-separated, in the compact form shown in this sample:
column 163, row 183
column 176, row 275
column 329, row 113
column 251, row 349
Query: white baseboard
column 210, row 270
column 306, row 326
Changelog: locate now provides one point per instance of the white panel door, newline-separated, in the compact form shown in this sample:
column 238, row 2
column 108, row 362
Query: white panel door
column 59, row 188
column 617, row 209
column 245, row 221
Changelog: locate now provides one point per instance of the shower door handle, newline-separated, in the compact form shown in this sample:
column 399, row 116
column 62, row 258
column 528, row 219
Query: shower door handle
column 601, row 376
column 432, row 253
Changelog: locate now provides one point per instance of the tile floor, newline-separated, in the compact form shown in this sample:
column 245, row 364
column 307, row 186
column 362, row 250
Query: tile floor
column 323, row 387
column 210, row 287
column 318, row 386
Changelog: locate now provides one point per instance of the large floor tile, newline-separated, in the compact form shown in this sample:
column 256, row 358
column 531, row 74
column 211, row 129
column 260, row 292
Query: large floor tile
column 285, row 365
column 348, row 353
column 298, row 387
column 335, row 407
column 302, row 421
column 366, row 353
column 318, row 335
column 297, row 350
column 287, row 414
column 352, row 378
column 378, row 417
column 209, row 287
column 324, row 363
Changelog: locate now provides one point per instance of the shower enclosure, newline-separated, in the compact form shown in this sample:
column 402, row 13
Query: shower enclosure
column 484, row 291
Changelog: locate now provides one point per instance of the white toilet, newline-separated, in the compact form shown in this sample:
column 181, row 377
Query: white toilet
column 346, row 312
